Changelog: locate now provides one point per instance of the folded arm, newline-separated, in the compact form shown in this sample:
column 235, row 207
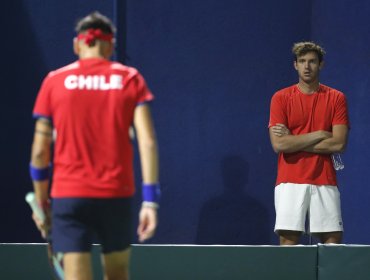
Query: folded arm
column 283, row 142
column 335, row 144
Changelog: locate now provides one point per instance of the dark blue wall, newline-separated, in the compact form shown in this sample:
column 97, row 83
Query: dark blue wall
column 213, row 66
column 37, row 37
column 344, row 30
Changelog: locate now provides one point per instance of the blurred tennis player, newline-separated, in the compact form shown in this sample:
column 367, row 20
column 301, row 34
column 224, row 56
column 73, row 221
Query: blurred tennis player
column 88, row 108
column 308, row 123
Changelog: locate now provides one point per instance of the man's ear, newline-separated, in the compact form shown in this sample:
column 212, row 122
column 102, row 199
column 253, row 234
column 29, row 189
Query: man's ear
column 321, row 65
column 76, row 47
column 295, row 65
column 108, row 49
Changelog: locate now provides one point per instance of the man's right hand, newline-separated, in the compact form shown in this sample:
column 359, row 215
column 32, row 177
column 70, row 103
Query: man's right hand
column 43, row 226
column 280, row 130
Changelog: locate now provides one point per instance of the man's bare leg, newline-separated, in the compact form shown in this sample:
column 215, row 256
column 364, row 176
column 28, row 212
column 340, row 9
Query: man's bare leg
column 77, row 266
column 289, row 237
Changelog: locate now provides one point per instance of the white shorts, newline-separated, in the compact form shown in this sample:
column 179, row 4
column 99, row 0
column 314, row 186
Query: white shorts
column 294, row 201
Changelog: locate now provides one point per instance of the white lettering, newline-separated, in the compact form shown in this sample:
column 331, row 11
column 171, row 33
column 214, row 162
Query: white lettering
column 103, row 85
column 70, row 82
column 94, row 82
column 116, row 82
column 85, row 82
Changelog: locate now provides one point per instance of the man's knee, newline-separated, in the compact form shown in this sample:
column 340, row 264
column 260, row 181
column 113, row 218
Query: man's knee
column 116, row 265
column 331, row 237
column 77, row 266
column 289, row 237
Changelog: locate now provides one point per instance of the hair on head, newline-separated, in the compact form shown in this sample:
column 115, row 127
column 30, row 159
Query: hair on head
column 302, row 48
column 95, row 20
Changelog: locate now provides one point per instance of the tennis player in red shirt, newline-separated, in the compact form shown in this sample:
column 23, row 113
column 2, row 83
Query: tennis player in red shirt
column 308, row 123
column 86, row 110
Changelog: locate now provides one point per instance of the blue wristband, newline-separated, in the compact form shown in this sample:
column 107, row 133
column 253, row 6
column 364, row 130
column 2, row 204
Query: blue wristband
column 151, row 192
column 39, row 174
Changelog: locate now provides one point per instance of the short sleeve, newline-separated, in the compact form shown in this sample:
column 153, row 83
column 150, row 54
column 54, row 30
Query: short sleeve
column 42, row 107
column 277, row 112
column 144, row 95
column 341, row 111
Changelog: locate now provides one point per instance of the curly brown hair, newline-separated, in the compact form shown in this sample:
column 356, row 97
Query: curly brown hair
column 301, row 48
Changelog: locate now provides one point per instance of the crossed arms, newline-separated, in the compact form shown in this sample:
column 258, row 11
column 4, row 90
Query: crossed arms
column 319, row 142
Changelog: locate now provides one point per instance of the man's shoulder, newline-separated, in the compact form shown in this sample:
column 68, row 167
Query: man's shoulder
column 70, row 67
column 330, row 90
column 287, row 91
column 122, row 67
column 127, row 71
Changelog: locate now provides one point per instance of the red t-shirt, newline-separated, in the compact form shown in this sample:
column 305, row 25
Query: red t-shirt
column 91, row 103
column 304, row 113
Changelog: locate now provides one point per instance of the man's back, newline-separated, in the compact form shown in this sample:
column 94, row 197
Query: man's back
column 91, row 103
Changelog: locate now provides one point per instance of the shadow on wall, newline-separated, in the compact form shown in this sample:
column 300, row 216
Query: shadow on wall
column 233, row 217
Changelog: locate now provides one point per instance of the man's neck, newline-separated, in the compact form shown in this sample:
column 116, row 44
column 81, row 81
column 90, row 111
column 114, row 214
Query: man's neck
column 86, row 55
column 93, row 52
column 308, row 88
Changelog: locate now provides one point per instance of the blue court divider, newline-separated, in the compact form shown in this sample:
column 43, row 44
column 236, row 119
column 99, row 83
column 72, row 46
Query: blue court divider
column 21, row 261
column 180, row 262
column 29, row 262
column 344, row 262
column 224, row 262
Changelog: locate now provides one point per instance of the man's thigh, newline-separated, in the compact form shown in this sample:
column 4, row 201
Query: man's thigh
column 114, row 224
column 325, row 210
column 71, row 225
column 291, row 206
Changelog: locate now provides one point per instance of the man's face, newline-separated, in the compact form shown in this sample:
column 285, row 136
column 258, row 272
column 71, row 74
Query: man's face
column 308, row 67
